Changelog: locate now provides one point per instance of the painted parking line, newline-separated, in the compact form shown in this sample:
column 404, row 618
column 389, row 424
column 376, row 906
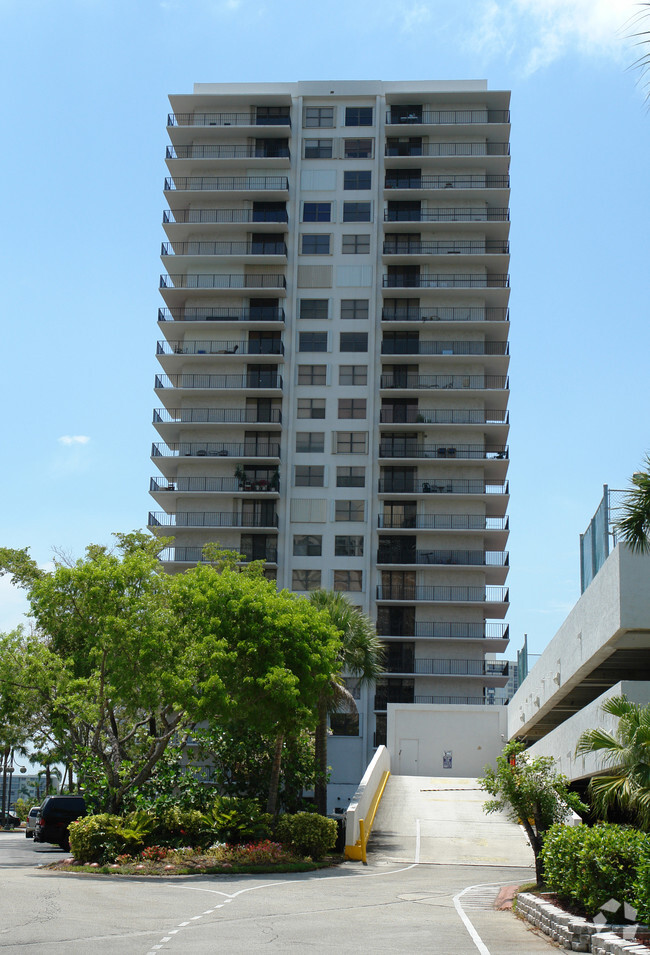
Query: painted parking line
column 475, row 904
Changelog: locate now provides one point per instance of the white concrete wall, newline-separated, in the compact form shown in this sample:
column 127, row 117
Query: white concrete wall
column 365, row 794
column 561, row 742
column 419, row 735
column 612, row 613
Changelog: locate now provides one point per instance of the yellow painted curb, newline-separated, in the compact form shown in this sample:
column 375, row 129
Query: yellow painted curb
column 358, row 850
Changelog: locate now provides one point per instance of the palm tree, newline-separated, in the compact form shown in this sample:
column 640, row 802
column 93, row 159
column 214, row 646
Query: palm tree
column 634, row 525
column 642, row 38
column 361, row 655
column 627, row 752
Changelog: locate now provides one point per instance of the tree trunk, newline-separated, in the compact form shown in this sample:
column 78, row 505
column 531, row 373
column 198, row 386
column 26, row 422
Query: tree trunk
column 271, row 805
column 320, row 757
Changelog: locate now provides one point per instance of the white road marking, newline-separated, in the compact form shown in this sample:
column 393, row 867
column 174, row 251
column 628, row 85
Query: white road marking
column 473, row 934
column 417, row 841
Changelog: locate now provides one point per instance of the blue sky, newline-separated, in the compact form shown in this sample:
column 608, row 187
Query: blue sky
column 86, row 85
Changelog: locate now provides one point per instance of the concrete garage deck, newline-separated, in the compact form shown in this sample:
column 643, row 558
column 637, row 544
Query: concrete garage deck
column 441, row 820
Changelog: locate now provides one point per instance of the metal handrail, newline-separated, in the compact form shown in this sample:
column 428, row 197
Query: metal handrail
column 445, row 280
column 462, row 347
column 222, row 314
column 227, row 151
column 444, row 313
column 447, row 214
column 250, row 380
column 254, row 347
column 400, row 415
column 449, row 117
column 456, row 594
column 445, row 182
column 446, row 149
column 249, row 118
column 199, row 247
column 449, row 630
column 201, row 484
column 443, row 522
column 411, row 449
column 218, row 280
column 223, row 216
column 440, row 485
column 445, row 382
column 217, row 416
column 226, row 183
column 219, row 449
column 211, row 519
column 446, row 247
column 479, row 558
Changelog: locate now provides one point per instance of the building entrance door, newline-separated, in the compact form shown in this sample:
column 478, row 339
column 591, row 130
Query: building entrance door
column 407, row 757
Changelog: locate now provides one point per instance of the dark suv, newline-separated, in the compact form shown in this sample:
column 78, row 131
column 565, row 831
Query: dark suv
column 56, row 814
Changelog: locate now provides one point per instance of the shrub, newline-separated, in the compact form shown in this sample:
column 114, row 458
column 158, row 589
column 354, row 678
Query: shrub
column 589, row 866
column 308, row 833
column 102, row 837
column 181, row 827
column 237, row 820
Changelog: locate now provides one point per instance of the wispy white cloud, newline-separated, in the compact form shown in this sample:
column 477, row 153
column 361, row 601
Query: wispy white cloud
column 69, row 439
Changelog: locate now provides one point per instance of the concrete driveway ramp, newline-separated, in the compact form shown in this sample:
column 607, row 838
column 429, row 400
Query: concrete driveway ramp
column 441, row 820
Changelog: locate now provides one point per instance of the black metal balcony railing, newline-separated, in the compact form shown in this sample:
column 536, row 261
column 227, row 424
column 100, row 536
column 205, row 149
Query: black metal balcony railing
column 444, row 182
column 219, row 449
column 448, row 214
column 194, row 555
column 424, row 667
column 256, row 313
column 211, row 519
column 405, row 346
column 446, row 382
column 459, row 594
column 446, row 149
column 449, row 630
column 230, row 382
column 400, row 415
column 216, row 484
column 262, row 346
column 223, row 248
column 400, row 448
column 442, row 522
column 462, row 700
column 479, row 558
column 226, row 183
column 228, row 151
column 221, row 281
column 217, row 415
column 443, row 313
column 223, row 216
column 396, row 695
column 446, row 247
column 439, row 485
column 248, row 118
column 445, row 280
column 447, row 117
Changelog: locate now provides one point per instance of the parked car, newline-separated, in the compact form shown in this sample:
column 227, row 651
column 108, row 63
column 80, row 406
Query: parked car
column 55, row 815
column 32, row 819
column 9, row 820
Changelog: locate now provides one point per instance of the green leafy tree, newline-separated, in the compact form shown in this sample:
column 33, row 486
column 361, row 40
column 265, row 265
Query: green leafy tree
column 360, row 655
column 633, row 526
column 627, row 753
column 532, row 792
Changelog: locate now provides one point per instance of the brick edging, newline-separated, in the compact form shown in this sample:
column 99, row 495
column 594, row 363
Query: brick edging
column 575, row 934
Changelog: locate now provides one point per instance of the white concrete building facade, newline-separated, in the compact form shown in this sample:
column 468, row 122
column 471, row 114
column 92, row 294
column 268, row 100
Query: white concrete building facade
column 333, row 383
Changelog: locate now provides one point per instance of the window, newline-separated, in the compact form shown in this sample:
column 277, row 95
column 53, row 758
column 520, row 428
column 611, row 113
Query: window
column 357, row 179
column 354, row 308
column 311, row 408
column 349, row 510
column 356, row 212
column 353, row 341
column 350, row 580
column 312, row 341
column 310, row 441
column 348, row 546
column 344, row 724
column 352, row 407
column 314, row 307
column 305, row 580
column 351, row 442
column 355, row 244
column 272, row 115
column 353, row 375
column 309, row 475
column 315, row 244
column 317, row 212
column 312, row 374
column 322, row 116
column 358, row 116
column 357, row 149
column 307, row 545
column 351, row 477
column 318, row 149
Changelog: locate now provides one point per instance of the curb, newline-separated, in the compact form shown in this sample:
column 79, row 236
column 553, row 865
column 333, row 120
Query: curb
column 573, row 933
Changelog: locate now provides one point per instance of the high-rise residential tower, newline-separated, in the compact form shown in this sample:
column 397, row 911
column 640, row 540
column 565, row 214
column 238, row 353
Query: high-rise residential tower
column 334, row 353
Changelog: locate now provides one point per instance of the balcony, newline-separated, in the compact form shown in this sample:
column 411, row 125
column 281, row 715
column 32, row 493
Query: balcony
column 495, row 670
column 446, row 247
column 399, row 448
column 456, row 558
column 432, row 313
column 412, row 346
column 212, row 519
column 232, row 249
column 439, row 485
column 208, row 314
column 468, row 182
column 255, row 347
column 258, row 381
column 448, row 214
column 226, row 184
column 248, row 118
column 210, row 485
column 414, row 415
column 442, row 150
column 446, row 117
column 462, row 700
column 217, row 416
column 405, row 593
column 199, row 282
column 227, row 151
column 218, row 449
column 445, row 382
column 444, row 280
column 197, row 217
column 450, row 630
column 442, row 522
